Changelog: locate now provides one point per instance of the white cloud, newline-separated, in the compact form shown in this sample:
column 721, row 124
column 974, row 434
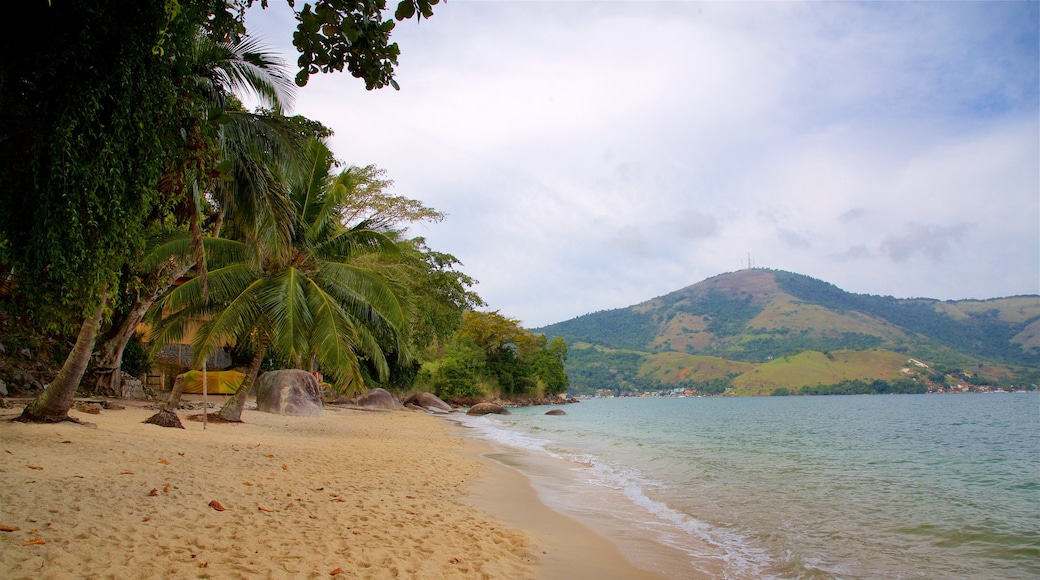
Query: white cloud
column 592, row 155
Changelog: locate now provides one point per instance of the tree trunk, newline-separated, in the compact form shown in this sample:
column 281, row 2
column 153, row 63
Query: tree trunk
column 167, row 414
column 232, row 409
column 53, row 404
column 109, row 368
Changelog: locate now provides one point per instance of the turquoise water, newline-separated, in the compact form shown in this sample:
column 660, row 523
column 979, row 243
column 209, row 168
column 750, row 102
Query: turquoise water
column 902, row 486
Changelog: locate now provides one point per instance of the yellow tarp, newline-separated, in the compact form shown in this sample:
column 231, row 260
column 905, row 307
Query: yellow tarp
column 217, row 382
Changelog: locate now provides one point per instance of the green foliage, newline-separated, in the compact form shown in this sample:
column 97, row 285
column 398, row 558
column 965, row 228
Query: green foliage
column 88, row 118
column 494, row 355
column 591, row 368
column 982, row 334
column 333, row 34
column 135, row 358
column 767, row 346
column 780, row 392
column 620, row 328
column 862, row 387
column 548, row 367
column 456, row 375
column 712, row 387
column 725, row 315
column 304, row 285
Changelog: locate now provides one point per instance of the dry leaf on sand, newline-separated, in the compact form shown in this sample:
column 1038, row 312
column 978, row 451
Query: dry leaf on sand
column 216, row 505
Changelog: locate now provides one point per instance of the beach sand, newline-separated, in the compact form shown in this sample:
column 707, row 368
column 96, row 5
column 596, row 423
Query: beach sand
column 354, row 494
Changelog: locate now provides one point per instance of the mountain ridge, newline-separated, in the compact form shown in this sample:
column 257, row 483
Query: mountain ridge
column 756, row 315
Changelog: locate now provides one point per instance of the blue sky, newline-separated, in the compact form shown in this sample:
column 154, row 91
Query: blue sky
column 592, row 155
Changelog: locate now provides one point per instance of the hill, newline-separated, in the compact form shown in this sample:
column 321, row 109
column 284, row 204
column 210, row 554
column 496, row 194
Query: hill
column 711, row 334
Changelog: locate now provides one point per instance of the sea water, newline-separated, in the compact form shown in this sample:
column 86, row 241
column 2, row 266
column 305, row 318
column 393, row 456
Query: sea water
column 897, row 486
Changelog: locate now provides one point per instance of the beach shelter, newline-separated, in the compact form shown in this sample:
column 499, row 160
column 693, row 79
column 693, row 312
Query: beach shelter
column 217, row 382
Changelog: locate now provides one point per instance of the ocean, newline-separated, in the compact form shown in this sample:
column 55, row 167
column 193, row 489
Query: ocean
column 884, row 486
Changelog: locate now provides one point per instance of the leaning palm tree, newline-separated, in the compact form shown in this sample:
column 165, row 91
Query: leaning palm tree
column 298, row 293
column 254, row 149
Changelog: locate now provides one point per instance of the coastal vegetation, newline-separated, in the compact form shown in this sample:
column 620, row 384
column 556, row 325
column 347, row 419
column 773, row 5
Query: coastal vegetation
column 137, row 189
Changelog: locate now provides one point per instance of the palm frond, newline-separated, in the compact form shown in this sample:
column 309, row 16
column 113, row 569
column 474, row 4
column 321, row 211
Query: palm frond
column 283, row 297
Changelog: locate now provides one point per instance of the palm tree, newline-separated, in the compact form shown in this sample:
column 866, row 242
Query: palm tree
column 299, row 293
column 255, row 150
column 215, row 134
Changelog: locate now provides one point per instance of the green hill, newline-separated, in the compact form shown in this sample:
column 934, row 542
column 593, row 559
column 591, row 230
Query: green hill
column 743, row 322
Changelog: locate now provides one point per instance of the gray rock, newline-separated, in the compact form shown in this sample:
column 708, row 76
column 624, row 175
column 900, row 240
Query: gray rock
column 288, row 392
column 427, row 400
column 131, row 387
column 3, row 389
column 556, row 412
column 23, row 382
column 487, row 408
column 379, row 399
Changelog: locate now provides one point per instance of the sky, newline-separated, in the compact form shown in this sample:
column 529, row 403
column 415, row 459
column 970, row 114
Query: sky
column 593, row 155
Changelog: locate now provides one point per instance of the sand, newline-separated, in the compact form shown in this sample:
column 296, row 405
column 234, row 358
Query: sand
column 354, row 494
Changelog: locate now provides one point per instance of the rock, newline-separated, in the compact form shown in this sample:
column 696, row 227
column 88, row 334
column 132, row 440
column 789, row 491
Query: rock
column 288, row 392
column 427, row 400
column 131, row 387
column 487, row 408
column 556, row 412
column 3, row 389
column 165, row 419
column 379, row 399
column 24, row 383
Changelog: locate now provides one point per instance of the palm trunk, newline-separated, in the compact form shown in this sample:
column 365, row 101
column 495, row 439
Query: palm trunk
column 232, row 409
column 167, row 414
column 53, row 404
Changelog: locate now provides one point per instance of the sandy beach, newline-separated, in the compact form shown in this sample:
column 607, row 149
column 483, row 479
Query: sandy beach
column 354, row 494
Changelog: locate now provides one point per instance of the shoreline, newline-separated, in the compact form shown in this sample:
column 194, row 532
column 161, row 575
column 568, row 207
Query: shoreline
column 565, row 547
column 354, row 493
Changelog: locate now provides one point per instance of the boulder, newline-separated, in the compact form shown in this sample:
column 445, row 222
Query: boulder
column 132, row 387
column 486, row 408
column 24, row 383
column 556, row 412
column 427, row 401
column 379, row 399
column 288, row 392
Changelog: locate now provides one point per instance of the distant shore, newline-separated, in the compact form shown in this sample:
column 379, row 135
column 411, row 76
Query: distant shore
column 357, row 494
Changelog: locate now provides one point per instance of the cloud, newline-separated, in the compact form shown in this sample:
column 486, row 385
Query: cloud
column 592, row 155
column 934, row 242
column 691, row 225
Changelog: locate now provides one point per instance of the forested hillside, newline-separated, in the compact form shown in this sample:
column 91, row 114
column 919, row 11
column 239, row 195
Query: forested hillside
column 755, row 316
